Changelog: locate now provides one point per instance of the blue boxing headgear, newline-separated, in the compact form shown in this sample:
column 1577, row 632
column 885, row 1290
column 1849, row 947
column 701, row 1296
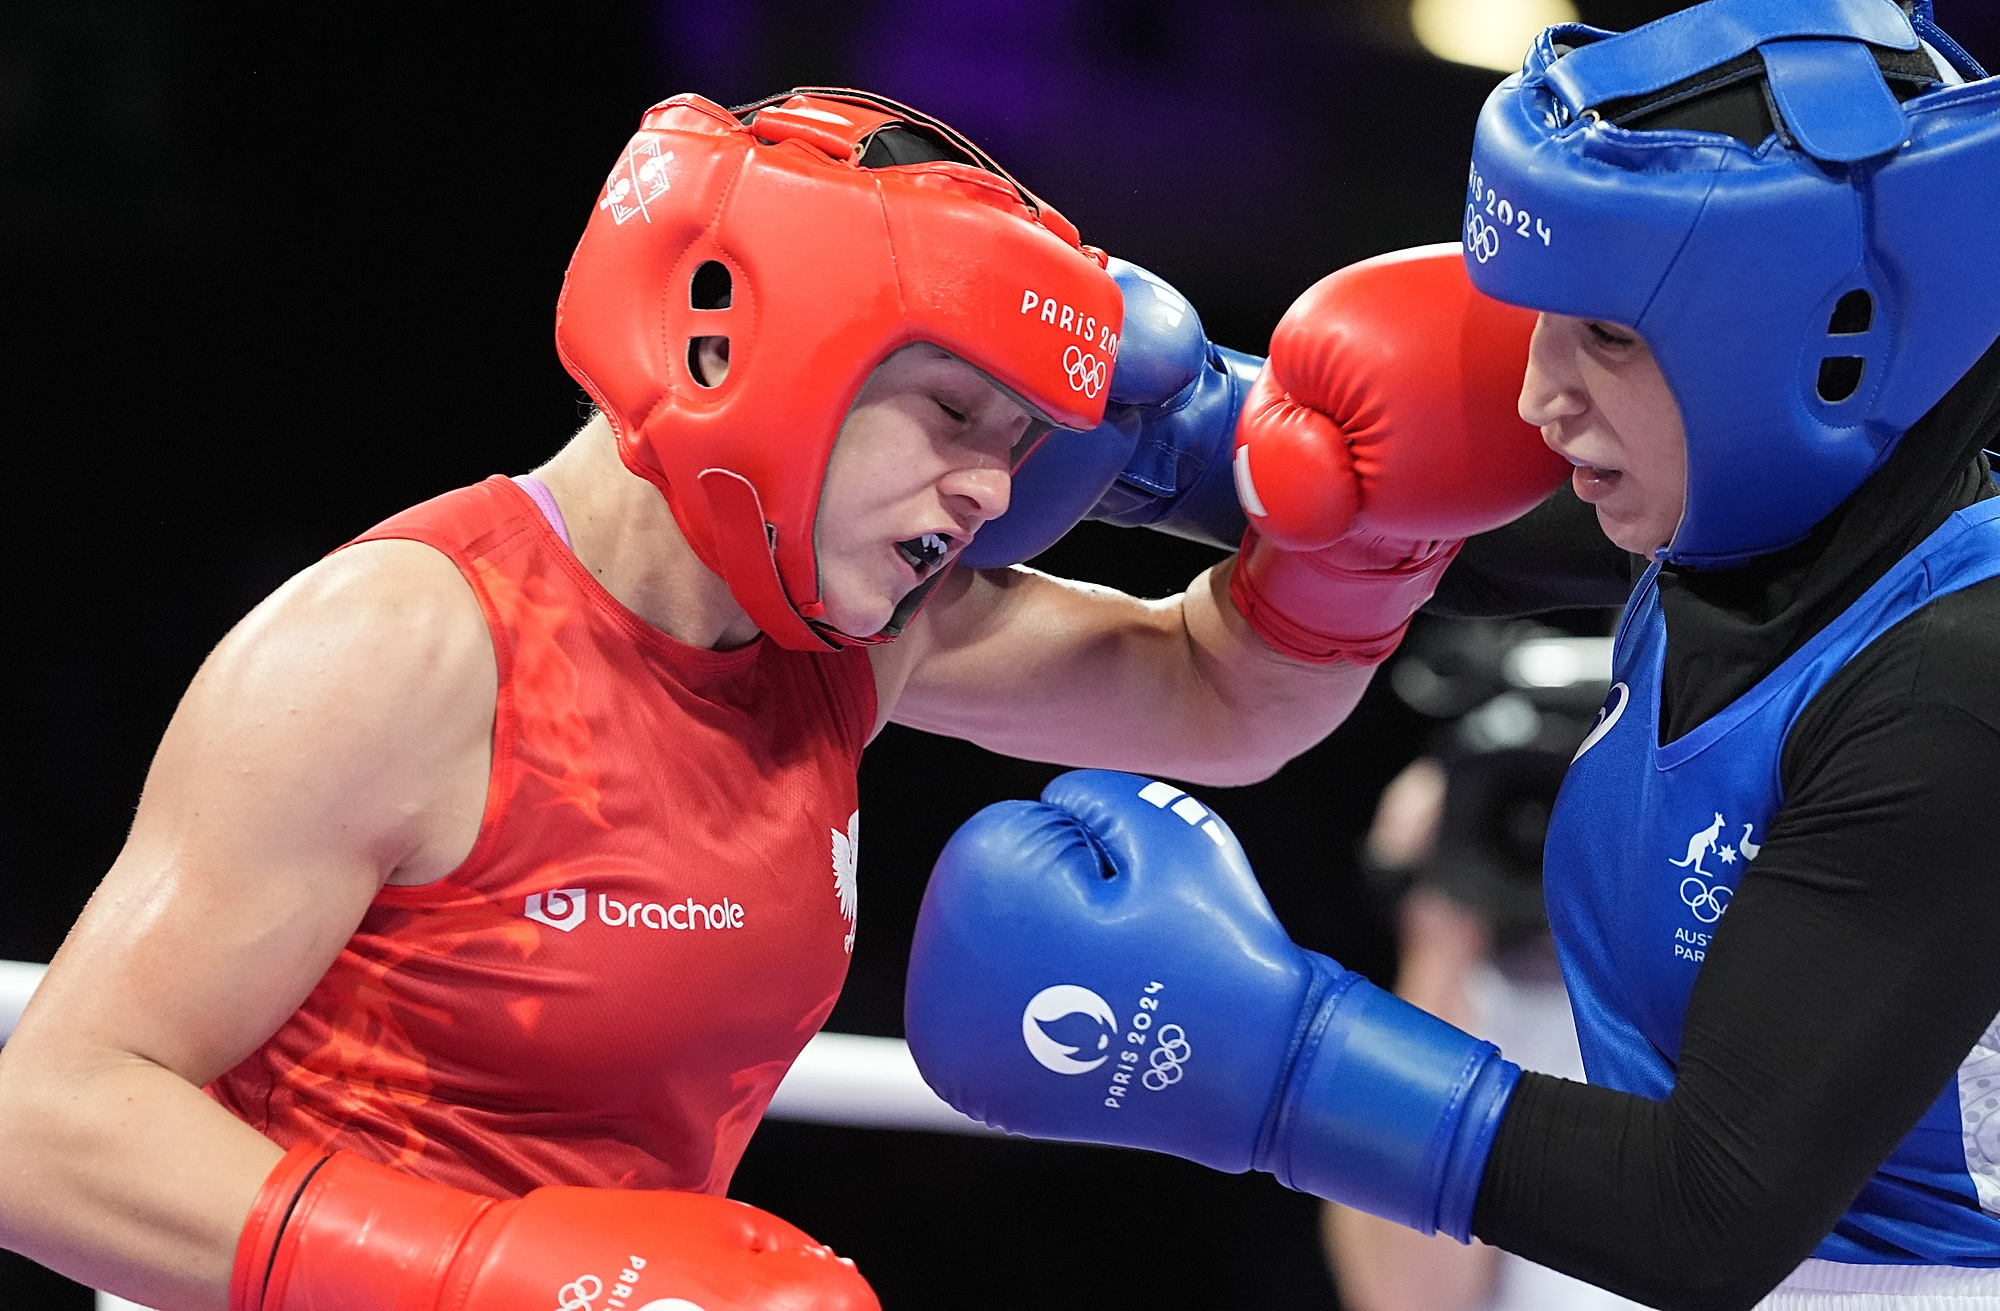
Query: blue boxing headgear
column 1809, row 297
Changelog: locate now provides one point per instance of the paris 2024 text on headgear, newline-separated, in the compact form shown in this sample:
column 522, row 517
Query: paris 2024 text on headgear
column 1808, row 287
column 790, row 228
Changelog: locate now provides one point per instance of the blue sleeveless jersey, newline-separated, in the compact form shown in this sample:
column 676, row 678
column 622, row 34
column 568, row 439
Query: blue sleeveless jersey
column 1645, row 850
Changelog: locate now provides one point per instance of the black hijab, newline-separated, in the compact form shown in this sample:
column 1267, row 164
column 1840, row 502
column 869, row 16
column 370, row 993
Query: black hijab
column 1728, row 628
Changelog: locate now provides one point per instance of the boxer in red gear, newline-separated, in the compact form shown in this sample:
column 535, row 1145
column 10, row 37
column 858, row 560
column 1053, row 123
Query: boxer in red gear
column 499, row 864
column 480, row 1030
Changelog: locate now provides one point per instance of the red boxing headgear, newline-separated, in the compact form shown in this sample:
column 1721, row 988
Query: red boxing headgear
column 830, row 267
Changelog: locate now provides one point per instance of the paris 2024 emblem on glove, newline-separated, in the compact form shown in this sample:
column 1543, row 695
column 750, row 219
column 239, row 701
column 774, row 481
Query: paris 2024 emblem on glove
column 1101, row 966
column 1080, row 973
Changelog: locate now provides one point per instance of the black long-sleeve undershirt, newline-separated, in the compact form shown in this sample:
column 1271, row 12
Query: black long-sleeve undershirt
column 1858, row 963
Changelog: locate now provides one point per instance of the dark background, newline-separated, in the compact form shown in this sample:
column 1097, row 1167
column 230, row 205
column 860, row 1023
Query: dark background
column 273, row 273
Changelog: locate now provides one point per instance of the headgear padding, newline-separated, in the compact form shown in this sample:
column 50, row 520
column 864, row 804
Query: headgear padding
column 1808, row 297
column 763, row 226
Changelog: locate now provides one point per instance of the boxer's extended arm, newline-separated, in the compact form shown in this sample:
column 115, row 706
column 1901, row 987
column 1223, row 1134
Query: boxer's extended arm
column 336, row 738
column 1375, row 453
column 1047, row 669
column 1382, row 433
column 1848, row 982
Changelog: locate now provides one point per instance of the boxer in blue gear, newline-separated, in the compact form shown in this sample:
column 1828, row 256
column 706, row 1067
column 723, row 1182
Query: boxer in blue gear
column 1161, row 458
column 1877, row 150
column 1768, row 344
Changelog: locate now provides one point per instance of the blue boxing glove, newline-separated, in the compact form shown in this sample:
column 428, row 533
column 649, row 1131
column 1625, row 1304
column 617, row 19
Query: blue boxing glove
column 1162, row 457
column 1102, row 967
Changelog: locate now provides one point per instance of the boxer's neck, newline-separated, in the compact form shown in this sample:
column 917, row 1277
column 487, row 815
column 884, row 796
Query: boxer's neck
column 623, row 532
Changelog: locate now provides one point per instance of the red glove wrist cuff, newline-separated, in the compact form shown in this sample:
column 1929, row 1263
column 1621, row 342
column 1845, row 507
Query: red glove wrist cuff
column 1367, row 589
column 353, row 1234
column 251, row 1271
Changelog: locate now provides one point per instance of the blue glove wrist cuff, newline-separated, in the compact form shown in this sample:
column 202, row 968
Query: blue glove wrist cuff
column 1388, row 1109
column 1180, row 478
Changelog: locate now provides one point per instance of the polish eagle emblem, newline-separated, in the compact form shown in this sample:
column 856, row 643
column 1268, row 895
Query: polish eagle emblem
column 846, row 884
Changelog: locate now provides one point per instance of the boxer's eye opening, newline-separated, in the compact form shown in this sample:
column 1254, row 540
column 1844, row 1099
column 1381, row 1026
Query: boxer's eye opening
column 711, row 287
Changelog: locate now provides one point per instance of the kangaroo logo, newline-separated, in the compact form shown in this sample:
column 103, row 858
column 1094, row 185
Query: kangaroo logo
column 1700, row 845
column 1703, row 843
column 1708, row 900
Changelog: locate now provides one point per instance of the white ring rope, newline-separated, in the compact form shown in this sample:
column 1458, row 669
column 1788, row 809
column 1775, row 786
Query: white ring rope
column 840, row 1078
column 18, row 979
column 871, row 1083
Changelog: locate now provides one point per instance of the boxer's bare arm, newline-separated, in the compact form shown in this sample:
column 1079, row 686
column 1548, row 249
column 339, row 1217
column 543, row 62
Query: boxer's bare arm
column 338, row 738
column 1075, row 674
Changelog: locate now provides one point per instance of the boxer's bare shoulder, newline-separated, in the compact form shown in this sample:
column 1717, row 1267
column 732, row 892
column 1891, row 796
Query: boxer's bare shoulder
column 335, row 739
column 357, row 699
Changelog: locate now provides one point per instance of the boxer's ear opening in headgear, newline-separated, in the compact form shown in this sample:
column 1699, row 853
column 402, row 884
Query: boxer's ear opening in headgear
column 1853, row 314
column 709, row 289
column 1840, row 375
column 708, row 361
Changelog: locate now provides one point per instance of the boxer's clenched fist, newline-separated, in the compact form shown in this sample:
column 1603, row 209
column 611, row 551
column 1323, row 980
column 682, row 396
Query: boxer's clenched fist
column 1102, row 967
column 1161, row 457
column 1382, row 433
column 339, row 1233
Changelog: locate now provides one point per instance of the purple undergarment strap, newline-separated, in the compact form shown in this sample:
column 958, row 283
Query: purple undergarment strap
column 539, row 490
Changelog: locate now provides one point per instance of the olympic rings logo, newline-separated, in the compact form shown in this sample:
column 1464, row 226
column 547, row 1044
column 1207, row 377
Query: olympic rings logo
column 579, row 1293
column 1707, row 902
column 1086, row 372
column 1169, row 1055
column 1481, row 237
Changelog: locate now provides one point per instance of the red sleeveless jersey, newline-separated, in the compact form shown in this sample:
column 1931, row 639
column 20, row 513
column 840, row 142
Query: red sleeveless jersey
column 656, row 915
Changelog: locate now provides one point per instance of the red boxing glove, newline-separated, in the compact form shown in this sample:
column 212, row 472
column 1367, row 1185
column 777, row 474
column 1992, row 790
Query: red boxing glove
column 340, row 1233
column 1381, row 434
